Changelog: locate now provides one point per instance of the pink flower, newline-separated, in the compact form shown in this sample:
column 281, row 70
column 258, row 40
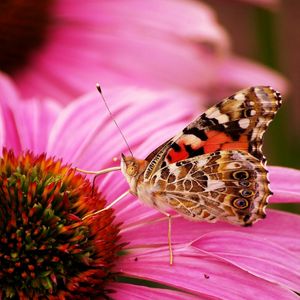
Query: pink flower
column 211, row 261
column 65, row 48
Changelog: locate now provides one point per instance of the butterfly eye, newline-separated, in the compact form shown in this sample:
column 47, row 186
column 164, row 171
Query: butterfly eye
column 240, row 175
column 240, row 203
column 246, row 193
column 131, row 170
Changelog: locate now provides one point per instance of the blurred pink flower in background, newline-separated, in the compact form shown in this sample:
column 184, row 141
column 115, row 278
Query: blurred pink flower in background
column 60, row 49
column 211, row 261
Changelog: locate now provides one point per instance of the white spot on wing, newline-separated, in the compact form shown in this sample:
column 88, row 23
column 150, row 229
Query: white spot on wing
column 191, row 139
column 234, row 165
column 239, row 96
column 210, row 111
column 214, row 185
column 213, row 112
column 223, row 118
column 202, row 161
column 244, row 123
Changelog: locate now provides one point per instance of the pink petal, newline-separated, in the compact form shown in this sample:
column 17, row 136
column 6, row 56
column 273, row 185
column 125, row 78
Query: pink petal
column 8, row 90
column 284, row 184
column 125, row 42
column 255, row 255
column 279, row 228
column 138, row 292
column 35, row 121
column 25, row 125
column 199, row 273
column 237, row 72
column 97, row 137
column 8, row 100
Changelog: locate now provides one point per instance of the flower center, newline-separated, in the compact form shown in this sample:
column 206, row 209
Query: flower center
column 23, row 26
column 46, row 250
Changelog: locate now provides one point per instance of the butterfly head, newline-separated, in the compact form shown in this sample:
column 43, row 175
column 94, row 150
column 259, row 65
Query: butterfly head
column 132, row 169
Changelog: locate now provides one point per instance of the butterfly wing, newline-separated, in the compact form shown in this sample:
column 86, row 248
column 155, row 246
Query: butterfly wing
column 236, row 123
column 225, row 185
column 224, row 142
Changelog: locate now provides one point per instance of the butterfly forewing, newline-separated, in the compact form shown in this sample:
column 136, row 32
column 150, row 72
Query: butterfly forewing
column 236, row 123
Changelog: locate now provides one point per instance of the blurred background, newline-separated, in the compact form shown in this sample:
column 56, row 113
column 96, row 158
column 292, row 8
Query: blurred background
column 58, row 49
column 270, row 35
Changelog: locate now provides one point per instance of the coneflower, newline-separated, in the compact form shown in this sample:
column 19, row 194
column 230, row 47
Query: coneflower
column 69, row 258
column 46, row 250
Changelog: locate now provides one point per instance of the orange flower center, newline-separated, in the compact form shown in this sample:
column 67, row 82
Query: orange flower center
column 46, row 250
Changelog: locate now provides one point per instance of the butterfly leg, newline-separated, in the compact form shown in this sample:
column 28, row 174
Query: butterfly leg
column 169, row 235
column 108, row 206
column 97, row 173
column 104, row 171
column 170, row 238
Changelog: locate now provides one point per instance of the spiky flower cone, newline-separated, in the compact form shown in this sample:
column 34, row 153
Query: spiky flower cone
column 46, row 250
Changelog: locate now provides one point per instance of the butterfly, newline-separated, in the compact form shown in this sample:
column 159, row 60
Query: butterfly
column 214, row 169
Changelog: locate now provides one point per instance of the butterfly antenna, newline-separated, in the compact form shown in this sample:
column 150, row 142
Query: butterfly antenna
column 112, row 117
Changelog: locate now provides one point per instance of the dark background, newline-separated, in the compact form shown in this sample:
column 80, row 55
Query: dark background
column 271, row 37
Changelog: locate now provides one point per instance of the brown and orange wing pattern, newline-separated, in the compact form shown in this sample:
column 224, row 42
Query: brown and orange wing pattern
column 236, row 123
column 215, row 169
column 224, row 185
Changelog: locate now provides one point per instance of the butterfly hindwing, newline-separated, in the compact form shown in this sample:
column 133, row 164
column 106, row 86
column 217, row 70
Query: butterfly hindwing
column 224, row 185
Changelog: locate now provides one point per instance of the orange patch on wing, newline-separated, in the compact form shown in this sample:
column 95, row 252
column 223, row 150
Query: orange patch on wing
column 211, row 148
column 174, row 156
column 217, row 137
column 214, row 141
column 241, row 144
column 218, row 140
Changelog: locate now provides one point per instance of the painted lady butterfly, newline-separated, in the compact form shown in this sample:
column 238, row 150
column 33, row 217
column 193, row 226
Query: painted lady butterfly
column 214, row 169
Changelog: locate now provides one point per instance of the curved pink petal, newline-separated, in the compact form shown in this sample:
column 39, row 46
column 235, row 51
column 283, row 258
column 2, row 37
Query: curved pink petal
column 137, row 43
column 25, row 125
column 255, row 255
column 8, row 91
column 155, row 228
column 35, row 121
column 125, row 42
column 285, row 184
column 199, row 273
column 9, row 136
column 236, row 72
column 96, row 133
column 137, row 292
